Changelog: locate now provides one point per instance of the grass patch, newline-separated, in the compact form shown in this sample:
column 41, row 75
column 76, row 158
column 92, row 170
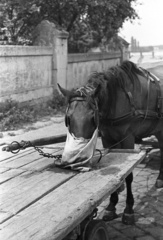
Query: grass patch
column 14, row 115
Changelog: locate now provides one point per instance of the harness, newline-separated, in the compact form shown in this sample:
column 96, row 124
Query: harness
column 137, row 113
column 131, row 115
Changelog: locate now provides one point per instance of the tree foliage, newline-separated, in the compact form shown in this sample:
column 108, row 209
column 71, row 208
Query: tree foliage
column 89, row 22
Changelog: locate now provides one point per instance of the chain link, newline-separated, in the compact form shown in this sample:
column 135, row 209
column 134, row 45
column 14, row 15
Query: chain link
column 48, row 155
column 24, row 144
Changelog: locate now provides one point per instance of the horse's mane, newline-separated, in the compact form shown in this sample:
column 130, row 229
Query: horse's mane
column 109, row 81
column 115, row 77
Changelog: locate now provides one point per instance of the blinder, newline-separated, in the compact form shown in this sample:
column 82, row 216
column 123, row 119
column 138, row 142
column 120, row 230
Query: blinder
column 67, row 121
column 93, row 105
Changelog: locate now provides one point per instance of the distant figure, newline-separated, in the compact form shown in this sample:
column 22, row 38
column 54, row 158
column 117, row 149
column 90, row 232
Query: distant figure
column 141, row 54
column 153, row 54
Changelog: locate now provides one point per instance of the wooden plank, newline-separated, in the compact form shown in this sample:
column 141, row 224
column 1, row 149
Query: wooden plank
column 21, row 161
column 56, row 214
column 27, row 177
column 15, row 183
column 3, row 169
column 39, row 165
column 4, row 216
column 10, row 174
column 7, row 155
column 33, row 186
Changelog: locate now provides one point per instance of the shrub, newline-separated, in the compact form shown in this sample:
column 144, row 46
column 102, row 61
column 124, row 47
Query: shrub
column 13, row 115
column 58, row 102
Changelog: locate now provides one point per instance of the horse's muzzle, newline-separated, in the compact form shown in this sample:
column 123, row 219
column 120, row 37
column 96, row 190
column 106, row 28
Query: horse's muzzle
column 78, row 152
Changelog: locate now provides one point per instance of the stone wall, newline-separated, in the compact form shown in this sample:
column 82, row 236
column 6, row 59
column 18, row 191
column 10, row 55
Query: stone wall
column 80, row 66
column 25, row 73
column 32, row 73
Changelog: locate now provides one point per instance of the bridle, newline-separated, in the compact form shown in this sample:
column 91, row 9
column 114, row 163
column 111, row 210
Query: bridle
column 92, row 102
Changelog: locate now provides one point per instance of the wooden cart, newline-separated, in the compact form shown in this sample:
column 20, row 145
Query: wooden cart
column 40, row 201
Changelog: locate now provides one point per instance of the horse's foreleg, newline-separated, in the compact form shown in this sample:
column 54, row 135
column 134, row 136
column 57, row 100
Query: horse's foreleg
column 128, row 215
column 110, row 211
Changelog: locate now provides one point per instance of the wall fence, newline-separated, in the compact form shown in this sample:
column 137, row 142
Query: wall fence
column 29, row 73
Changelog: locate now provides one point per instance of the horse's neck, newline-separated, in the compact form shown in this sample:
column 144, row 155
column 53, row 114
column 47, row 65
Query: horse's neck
column 122, row 105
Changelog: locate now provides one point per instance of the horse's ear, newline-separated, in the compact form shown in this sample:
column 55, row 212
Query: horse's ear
column 66, row 93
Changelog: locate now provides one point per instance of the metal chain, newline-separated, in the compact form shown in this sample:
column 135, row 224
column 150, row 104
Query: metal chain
column 25, row 144
column 48, row 155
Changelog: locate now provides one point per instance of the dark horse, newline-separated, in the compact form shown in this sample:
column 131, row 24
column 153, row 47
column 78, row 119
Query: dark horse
column 125, row 103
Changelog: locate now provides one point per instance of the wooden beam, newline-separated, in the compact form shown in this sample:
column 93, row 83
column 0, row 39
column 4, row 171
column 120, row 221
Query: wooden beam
column 150, row 143
column 38, row 142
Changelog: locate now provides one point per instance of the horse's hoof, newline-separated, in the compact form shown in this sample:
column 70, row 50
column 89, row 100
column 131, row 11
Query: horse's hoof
column 109, row 215
column 159, row 183
column 128, row 219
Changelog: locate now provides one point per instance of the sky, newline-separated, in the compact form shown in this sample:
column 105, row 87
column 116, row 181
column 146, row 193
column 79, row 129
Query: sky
column 148, row 30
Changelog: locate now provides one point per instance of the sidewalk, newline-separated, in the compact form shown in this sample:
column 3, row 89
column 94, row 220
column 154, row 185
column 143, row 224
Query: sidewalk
column 40, row 129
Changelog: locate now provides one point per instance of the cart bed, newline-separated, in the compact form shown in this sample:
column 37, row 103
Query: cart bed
column 40, row 201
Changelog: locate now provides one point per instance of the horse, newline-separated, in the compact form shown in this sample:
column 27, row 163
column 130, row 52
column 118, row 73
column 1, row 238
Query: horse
column 125, row 104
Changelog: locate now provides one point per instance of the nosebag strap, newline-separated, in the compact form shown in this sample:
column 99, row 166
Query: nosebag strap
column 78, row 152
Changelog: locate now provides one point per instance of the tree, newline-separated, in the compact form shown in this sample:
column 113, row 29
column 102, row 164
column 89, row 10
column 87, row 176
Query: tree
column 17, row 18
column 89, row 22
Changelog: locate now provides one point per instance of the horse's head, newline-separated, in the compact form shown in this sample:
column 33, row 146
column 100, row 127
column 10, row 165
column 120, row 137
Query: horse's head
column 82, row 121
column 82, row 112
